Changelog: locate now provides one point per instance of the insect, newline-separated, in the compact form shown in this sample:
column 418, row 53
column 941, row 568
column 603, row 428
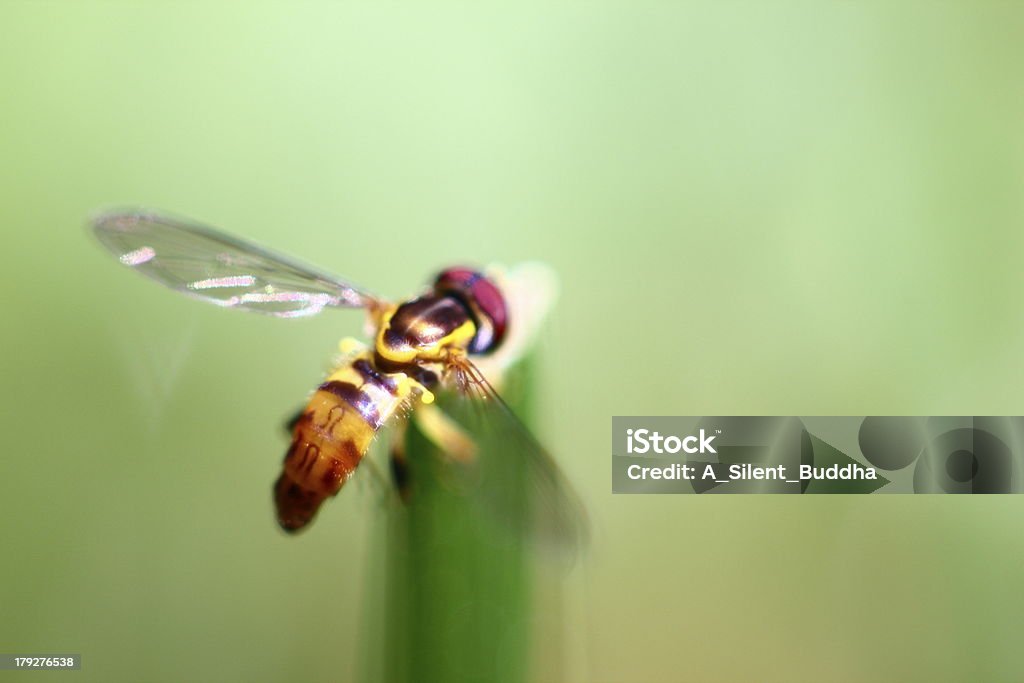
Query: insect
column 438, row 340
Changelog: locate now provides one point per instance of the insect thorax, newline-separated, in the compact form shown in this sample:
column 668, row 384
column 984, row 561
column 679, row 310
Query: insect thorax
column 424, row 329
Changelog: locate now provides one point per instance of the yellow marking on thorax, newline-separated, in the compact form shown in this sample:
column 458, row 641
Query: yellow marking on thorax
column 438, row 351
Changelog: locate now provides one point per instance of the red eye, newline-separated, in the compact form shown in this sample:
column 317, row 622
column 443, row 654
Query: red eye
column 484, row 300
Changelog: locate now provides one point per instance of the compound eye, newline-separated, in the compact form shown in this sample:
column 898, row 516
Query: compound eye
column 484, row 300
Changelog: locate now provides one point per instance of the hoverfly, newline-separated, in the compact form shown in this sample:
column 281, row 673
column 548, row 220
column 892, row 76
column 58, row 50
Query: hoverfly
column 438, row 340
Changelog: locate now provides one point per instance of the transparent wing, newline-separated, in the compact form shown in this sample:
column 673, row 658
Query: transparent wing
column 224, row 270
column 519, row 480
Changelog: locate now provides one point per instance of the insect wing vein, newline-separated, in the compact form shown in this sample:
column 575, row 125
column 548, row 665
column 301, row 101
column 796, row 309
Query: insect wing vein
column 224, row 270
column 555, row 514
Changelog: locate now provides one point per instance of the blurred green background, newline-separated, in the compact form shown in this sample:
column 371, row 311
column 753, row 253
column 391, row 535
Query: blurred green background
column 787, row 209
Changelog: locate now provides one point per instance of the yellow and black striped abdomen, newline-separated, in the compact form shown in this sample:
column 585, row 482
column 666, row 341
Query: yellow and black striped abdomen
column 333, row 435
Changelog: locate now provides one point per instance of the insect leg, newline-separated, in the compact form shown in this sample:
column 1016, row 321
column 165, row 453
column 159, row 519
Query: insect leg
column 446, row 434
column 350, row 346
column 400, row 474
column 289, row 426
